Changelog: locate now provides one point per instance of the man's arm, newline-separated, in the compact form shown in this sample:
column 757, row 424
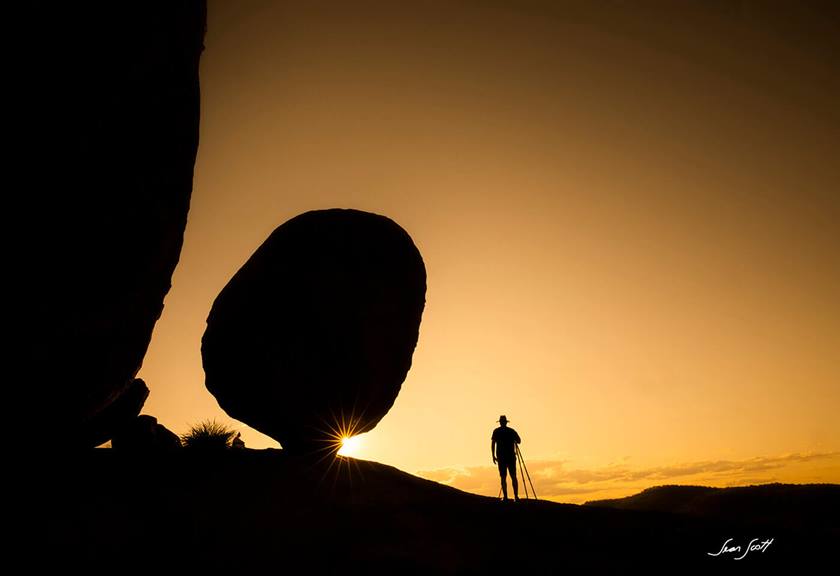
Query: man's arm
column 493, row 449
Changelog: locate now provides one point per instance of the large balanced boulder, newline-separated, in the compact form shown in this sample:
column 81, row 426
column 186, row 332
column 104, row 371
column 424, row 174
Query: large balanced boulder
column 112, row 117
column 312, row 338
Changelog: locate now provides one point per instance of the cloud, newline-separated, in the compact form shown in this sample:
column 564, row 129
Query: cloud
column 557, row 480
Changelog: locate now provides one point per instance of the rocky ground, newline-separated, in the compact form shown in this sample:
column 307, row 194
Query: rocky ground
column 263, row 511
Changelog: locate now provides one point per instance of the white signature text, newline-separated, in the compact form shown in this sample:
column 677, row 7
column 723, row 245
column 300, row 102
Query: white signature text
column 753, row 546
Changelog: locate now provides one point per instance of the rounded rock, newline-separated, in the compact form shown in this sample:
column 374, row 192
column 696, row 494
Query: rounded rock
column 313, row 337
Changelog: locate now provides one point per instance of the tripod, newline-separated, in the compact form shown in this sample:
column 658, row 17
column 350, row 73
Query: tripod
column 521, row 466
column 521, row 461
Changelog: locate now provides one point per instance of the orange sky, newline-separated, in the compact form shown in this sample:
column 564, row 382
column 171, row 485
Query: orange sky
column 628, row 217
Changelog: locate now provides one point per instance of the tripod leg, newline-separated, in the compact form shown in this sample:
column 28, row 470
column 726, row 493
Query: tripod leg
column 519, row 461
column 526, row 471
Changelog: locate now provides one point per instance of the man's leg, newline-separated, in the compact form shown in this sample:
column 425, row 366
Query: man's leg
column 513, row 481
column 503, row 474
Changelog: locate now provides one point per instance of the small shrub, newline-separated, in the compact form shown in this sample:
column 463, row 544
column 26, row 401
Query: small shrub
column 208, row 435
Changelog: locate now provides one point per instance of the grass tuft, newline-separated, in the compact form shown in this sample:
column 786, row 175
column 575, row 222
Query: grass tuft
column 208, row 435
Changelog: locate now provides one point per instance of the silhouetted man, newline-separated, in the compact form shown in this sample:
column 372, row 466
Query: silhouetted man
column 503, row 448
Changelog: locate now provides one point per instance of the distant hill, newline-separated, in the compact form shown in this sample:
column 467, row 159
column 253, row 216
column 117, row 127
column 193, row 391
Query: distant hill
column 263, row 511
column 788, row 505
column 783, row 506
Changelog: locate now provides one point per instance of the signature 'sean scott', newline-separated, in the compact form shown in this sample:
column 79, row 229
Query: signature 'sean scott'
column 753, row 546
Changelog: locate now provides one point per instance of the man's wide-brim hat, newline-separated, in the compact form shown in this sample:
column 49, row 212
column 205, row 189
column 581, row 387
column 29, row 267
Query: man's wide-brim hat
column 502, row 418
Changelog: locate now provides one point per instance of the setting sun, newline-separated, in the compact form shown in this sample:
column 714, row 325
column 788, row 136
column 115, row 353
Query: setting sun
column 350, row 446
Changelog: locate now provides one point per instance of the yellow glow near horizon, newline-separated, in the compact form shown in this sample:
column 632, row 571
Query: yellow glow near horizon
column 350, row 446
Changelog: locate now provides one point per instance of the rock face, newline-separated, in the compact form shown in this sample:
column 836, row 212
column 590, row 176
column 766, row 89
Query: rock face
column 124, row 410
column 312, row 338
column 112, row 135
column 144, row 433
